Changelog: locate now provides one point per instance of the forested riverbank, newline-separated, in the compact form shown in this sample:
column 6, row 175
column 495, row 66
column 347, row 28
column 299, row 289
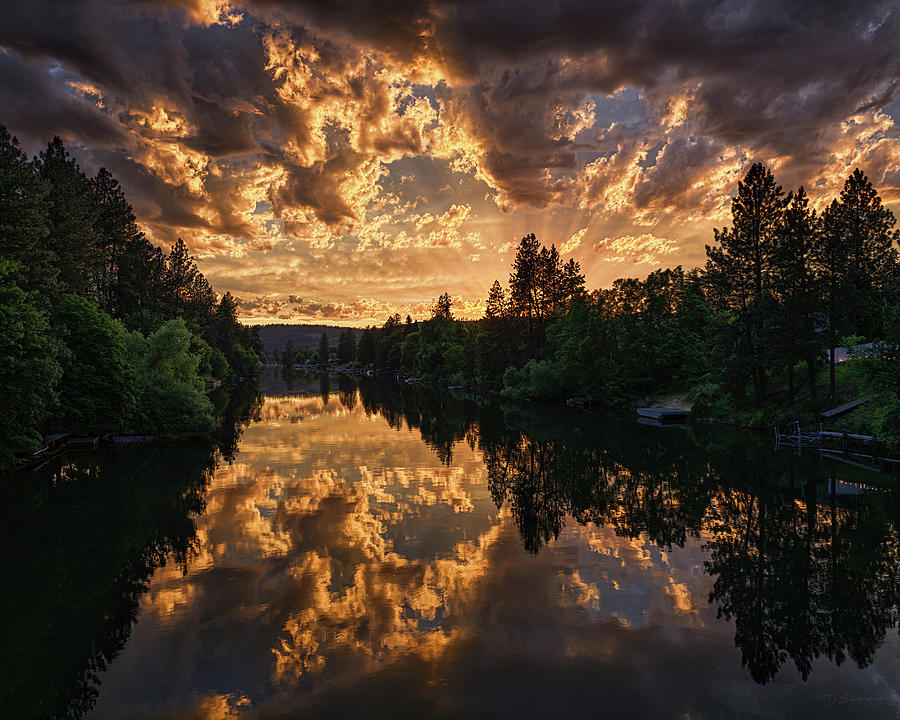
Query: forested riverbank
column 102, row 331
column 749, row 338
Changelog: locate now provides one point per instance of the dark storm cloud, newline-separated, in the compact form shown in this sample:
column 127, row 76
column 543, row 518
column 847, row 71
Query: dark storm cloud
column 773, row 77
column 38, row 103
column 766, row 74
column 137, row 56
column 641, row 112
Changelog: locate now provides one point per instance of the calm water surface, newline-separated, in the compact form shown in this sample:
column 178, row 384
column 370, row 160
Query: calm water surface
column 375, row 552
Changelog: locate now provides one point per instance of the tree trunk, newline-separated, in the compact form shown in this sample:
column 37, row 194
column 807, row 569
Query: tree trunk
column 813, row 391
column 832, row 383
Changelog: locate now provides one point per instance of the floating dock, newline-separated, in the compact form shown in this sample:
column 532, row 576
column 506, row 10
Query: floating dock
column 662, row 416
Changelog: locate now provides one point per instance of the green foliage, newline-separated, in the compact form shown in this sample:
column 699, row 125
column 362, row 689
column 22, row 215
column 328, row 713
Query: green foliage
column 213, row 365
column 170, row 397
column 72, row 213
column 96, row 389
column 736, row 337
column 72, row 243
column 23, row 219
column 779, row 285
column 29, row 369
column 538, row 379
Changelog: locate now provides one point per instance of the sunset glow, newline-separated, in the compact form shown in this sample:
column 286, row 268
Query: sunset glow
column 340, row 162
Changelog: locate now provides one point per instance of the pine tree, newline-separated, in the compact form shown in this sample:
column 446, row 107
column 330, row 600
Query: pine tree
column 181, row 271
column 496, row 302
column 24, row 224
column 794, row 282
column 117, row 233
column 365, row 350
column 324, row 349
column 572, row 280
column 346, row 349
column 226, row 321
column 440, row 309
column 72, row 212
column 524, row 281
column 288, row 356
column 855, row 259
column 739, row 270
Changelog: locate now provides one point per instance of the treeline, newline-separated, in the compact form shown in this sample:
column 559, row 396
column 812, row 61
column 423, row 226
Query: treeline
column 276, row 338
column 101, row 330
column 747, row 336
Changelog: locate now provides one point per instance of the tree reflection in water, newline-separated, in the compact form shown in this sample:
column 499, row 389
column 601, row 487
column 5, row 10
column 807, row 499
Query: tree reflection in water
column 804, row 572
column 81, row 542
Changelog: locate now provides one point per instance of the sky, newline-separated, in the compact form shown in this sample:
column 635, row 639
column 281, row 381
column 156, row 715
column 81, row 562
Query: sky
column 336, row 162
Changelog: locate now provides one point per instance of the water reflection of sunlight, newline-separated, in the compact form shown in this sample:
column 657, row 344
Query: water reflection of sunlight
column 310, row 508
column 320, row 508
column 362, row 547
column 351, row 542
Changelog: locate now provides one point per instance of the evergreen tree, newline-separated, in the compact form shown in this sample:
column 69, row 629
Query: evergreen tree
column 365, row 351
column 226, row 322
column 855, row 259
column 346, row 348
column 524, row 283
column 795, row 285
column 24, row 223
column 117, row 233
column 324, row 350
column 739, row 269
column 72, row 213
column 181, row 272
column 440, row 309
column 541, row 286
column 289, row 355
column 141, row 296
column 496, row 302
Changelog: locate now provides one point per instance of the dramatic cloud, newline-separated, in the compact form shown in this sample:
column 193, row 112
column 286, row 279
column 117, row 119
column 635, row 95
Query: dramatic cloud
column 369, row 157
column 644, row 249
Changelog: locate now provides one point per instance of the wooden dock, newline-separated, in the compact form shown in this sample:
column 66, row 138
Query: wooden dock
column 850, row 443
column 846, row 407
column 662, row 416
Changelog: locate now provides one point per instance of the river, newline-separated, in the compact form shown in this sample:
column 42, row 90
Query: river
column 377, row 551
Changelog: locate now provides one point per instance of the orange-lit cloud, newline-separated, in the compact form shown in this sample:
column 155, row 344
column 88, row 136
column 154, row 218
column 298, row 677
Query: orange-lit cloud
column 355, row 155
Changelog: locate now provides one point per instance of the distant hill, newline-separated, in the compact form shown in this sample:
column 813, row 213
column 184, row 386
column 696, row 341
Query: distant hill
column 275, row 337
